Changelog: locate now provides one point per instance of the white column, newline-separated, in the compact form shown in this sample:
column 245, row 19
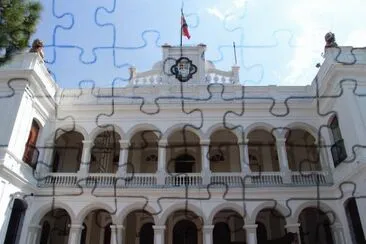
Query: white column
column 120, row 233
column 117, row 234
column 244, row 156
column 33, row 234
column 282, row 157
column 114, row 235
column 205, row 159
column 251, row 232
column 75, row 234
column 294, row 228
column 159, row 232
column 85, row 158
column 207, row 234
column 337, row 233
column 123, row 159
column 161, row 172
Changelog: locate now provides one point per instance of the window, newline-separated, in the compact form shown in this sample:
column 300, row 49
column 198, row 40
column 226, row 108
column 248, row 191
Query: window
column 31, row 153
column 338, row 150
column 151, row 158
column 217, row 155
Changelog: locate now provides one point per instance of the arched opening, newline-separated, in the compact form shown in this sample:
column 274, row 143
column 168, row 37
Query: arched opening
column 55, row 227
column 98, row 227
column 184, row 227
column 315, row 227
column 262, row 234
column 262, row 151
column 143, row 152
column 147, row 234
column 224, row 152
column 185, row 231
column 184, row 164
column 31, row 152
column 354, row 221
column 221, row 233
column 16, row 221
column 105, row 153
column 67, row 153
column 139, row 227
column 302, row 152
column 183, row 143
column 271, row 226
column 230, row 224
column 45, row 234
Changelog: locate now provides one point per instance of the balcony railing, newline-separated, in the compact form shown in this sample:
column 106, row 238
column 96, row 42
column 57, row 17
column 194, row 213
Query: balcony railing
column 142, row 180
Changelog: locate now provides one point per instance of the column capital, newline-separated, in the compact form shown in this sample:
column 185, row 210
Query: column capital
column 158, row 227
column 124, row 144
column 117, row 227
column 34, row 227
column 251, row 227
column 88, row 143
column 205, row 142
column 337, row 226
column 76, row 226
column 243, row 141
column 281, row 140
column 294, row 225
column 163, row 143
column 208, row 227
column 50, row 143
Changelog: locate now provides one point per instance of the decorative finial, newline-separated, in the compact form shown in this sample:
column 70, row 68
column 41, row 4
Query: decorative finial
column 330, row 40
column 37, row 47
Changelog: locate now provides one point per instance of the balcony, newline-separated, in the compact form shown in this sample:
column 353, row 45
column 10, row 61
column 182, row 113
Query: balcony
column 198, row 163
column 191, row 180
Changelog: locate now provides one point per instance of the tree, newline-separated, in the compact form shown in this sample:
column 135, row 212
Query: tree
column 18, row 21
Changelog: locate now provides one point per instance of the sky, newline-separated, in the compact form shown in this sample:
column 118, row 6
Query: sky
column 278, row 42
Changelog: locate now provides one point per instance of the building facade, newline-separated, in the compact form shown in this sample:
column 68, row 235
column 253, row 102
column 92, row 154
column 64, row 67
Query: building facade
column 170, row 159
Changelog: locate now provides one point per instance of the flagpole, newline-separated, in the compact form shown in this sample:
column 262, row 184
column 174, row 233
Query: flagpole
column 181, row 26
column 181, row 30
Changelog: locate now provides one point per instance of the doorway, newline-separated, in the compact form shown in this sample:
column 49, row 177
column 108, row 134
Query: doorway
column 185, row 232
column 184, row 164
column 15, row 222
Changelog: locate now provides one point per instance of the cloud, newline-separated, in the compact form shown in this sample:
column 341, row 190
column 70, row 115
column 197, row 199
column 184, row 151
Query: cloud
column 356, row 38
column 215, row 12
column 226, row 8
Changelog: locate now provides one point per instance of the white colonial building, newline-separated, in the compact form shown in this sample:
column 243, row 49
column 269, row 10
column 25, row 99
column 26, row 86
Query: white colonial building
column 209, row 160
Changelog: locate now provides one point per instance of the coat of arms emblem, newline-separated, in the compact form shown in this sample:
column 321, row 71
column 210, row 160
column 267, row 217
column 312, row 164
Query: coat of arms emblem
column 183, row 69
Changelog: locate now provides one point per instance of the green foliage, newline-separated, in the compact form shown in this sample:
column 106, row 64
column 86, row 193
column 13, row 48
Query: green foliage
column 18, row 21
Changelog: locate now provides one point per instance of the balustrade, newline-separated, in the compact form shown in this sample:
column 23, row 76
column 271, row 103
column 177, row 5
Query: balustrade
column 143, row 180
column 192, row 179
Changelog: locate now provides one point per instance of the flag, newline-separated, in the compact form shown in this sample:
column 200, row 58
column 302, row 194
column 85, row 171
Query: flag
column 184, row 27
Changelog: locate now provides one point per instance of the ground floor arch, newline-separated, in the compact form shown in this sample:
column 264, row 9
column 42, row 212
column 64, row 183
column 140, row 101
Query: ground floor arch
column 228, row 227
column 55, row 227
column 139, row 227
column 183, row 226
column 270, row 225
column 315, row 226
column 98, row 227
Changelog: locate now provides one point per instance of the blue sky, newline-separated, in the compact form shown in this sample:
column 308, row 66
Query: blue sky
column 278, row 41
